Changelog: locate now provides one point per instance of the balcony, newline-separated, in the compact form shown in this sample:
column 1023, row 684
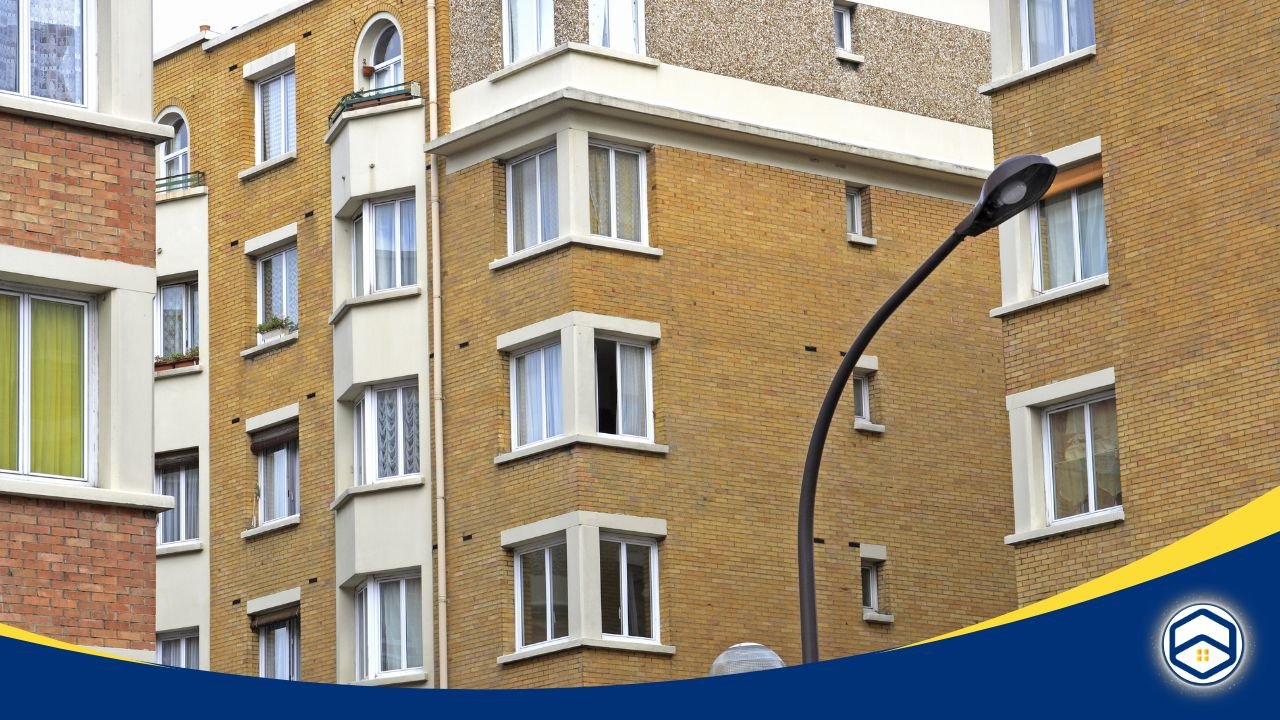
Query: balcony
column 374, row 98
column 375, row 145
column 185, row 181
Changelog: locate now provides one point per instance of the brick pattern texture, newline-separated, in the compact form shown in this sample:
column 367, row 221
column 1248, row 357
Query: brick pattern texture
column 1188, row 321
column 80, row 573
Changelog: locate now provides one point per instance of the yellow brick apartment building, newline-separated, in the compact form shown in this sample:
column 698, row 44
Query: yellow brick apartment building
column 510, row 319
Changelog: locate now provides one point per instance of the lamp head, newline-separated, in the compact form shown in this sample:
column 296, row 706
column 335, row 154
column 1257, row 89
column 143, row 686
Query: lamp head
column 1015, row 185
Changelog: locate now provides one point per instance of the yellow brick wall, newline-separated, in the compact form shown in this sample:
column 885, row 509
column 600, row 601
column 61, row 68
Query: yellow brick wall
column 1188, row 321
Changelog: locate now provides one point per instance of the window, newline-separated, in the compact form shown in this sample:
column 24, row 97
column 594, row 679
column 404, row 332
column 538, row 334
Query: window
column 617, row 192
column 628, row 587
column 862, row 397
column 388, row 626
column 177, row 321
column 384, row 247
column 176, row 155
column 277, row 451
column 536, row 394
column 530, row 28
column 844, row 29
column 278, row 285
column 180, row 650
column 178, row 476
column 1082, row 457
column 386, row 426
column 275, row 101
column 853, row 211
column 1069, row 237
column 617, row 24
column 1053, row 28
column 532, row 212
column 870, row 585
column 542, row 594
column 43, row 48
column 45, row 375
column 278, row 650
column 622, row 388
column 388, row 61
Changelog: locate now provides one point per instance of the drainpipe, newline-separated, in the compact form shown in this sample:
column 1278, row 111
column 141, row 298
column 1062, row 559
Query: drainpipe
column 435, row 351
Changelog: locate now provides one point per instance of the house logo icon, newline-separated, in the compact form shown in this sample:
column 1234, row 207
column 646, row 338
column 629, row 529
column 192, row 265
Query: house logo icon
column 1202, row 644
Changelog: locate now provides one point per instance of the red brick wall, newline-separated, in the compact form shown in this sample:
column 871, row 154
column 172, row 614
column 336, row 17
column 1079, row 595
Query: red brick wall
column 76, row 191
column 77, row 572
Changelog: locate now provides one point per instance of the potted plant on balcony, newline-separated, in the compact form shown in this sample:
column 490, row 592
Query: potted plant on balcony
column 275, row 328
column 173, row 361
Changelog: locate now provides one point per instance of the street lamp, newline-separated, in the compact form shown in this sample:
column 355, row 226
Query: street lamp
column 745, row 657
column 1015, row 185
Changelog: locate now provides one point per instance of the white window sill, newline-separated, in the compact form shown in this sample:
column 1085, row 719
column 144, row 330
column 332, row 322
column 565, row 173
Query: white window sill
column 81, row 117
column 265, row 347
column 77, row 491
column 379, row 486
column 272, row 526
column 1044, row 67
column 876, row 617
column 266, row 165
column 184, row 193
column 1058, row 293
column 376, row 297
column 563, row 441
column 1102, row 517
column 413, row 677
column 545, row 55
column 179, row 372
column 849, row 57
column 856, row 239
column 181, row 547
column 572, row 643
column 587, row 241
column 867, row 426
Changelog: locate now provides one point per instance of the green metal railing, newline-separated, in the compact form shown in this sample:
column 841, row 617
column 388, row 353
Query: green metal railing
column 368, row 98
column 180, row 182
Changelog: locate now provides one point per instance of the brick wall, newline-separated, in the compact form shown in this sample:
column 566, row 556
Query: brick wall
column 76, row 191
column 76, row 572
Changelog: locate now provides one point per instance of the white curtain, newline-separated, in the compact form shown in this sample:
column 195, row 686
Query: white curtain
column 1093, row 231
column 614, row 24
column 169, row 521
column 599, row 195
column 191, row 502
column 627, row 194
column 549, row 194
column 273, row 287
column 524, row 204
column 1069, row 457
column 57, row 49
column 1080, row 22
column 530, row 25
column 357, row 257
column 388, row 433
column 390, row 629
column 413, row 622
column 290, row 114
column 384, row 245
column 171, row 652
column 193, row 653
column 633, row 415
column 408, row 243
column 172, row 311
column 410, row 439
column 1044, row 24
column 359, row 443
column 9, row 45
column 291, row 283
column 271, row 100
column 553, row 392
column 1057, row 243
column 528, row 391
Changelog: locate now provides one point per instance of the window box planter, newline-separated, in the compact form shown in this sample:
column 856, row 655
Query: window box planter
column 271, row 335
column 175, row 364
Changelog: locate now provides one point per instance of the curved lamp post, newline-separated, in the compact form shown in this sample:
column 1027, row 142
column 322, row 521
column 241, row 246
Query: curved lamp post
column 1015, row 185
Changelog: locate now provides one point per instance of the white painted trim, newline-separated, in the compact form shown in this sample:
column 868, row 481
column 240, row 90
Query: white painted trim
column 876, row 617
column 855, row 239
column 68, row 272
column 268, row 346
column 373, row 298
column 627, row 524
column 184, row 193
column 562, row 441
column 1079, row 522
column 79, row 491
column 273, row 63
column 359, row 113
column 272, row 526
column 274, row 417
column 867, row 426
column 850, row 57
column 82, row 117
column 178, row 372
column 284, row 598
column 1058, row 293
column 378, row 486
column 873, row 552
column 867, row 364
column 637, row 329
column 255, row 23
column 575, row 47
column 1022, row 76
column 273, row 240
column 1076, row 152
column 571, row 643
column 592, row 241
column 181, row 547
column 266, row 165
column 1063, row 390
column 413, row 677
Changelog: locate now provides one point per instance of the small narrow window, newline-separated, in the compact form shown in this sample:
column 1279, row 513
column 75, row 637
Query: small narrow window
column 276, row 116
column 628, row 587
column 542, row 594
column 536, row 394
column 617, row 192
column 278, row 286
column 387, row 439
column 871, row 585
column 178, row 477
column 279, row 652
column 1069, row 237
column 388, row 626
column 862, row 397
column 853, row 211
column 1082, row 457
column 617, row 24
column 181, row 650
column 532, row 197
column 1053, row 28
column 622, row 388
column 277, row 450
column 844, row 27
column 176, row 150
column 384, row 246
column 178, row 321
column 530, row 28
column 388, row 61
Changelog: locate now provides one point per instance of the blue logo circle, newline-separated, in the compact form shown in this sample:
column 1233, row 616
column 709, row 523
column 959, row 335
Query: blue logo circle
column 1202, row 644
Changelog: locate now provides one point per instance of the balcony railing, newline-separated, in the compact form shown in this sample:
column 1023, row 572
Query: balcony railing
column 185, row 181
column 371, row 98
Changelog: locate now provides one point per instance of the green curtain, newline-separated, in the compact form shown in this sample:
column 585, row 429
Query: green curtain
column 57, row 388
column 8, row 382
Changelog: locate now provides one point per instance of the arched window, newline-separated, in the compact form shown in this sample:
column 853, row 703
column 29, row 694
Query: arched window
column 176, row 151
column 388, row 59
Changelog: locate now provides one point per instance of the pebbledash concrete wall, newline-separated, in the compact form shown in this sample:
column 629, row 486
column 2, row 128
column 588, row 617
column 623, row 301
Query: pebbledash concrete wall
column 756, row 271
column 1188, row 320
column 913, row 64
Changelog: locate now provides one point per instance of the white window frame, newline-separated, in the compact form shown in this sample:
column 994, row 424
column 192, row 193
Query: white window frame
column 183, row 638
column 544, row 547
column 366, row 434
column 853, row 211
column 1025, row 22
column 843, row 40
column 534, row 156
column 295, row 649
column 642, row 201
column 648, row 383
column 365, row 282
column 598, row 26
column 396, row 64
column 655, row 617
column 544, row 44
column 1091, row 480
column 190, row 318
column 88, row 71
column 293, row 481
column 515, row 407
column 871, row 568
column 1037, row 259
column 260, row 145
column 260, row 261
column 180, row 505
column 368, row 632
column 25, row 295
column 183, row 153
column 861, row 383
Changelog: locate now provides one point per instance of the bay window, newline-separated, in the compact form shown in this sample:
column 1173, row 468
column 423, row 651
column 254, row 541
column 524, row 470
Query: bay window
column 44, row 46
column 1069, row 236
column 384, row 246
column 178, row 476
column 1053, row 28
column 532, row 210
column 388, row 626
column 536, row 395
column 1082, row 457
column 387, row 438
column 622, row 388
column 529, row 28
column 628, row 586
column 177, row 320
column 542, row 594
column 617, row 194
column 276, row 115
column 617, row 24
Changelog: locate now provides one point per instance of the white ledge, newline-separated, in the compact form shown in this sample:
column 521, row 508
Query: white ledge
column 350, row 115
column 405, row 678
column 284, row 598
column 1102, row 517
column 1058, row 293
column 268, row 164
column 567, row 440
column 572, row 643
column 178, row 372
column 1044, row 67
column 82, row 117
column 878, row 618
column 182, row 194
column 379, row 486
column 81, row 492
column 566, row 240
column 272, row 526
column 381, row 296
column 628, row 524
column 272, row 417
column 846, row 56
column 268, row 346
column 271, row 240
column 559, row 50
column 856, row 239
column 179, row 548
column 867, row 426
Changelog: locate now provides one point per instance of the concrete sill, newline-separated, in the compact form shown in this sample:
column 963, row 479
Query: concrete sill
column 404, row 678
column 272, row 526
column 350, row 115
column 1045, row 67
column 179, row 548
column 848, row 57
column 172, row 195
column 81, row 116
column 567, row 240
column 381, row 296
column 876, row 618
column 573, row 643
column 1098, row 519
column 77, row 491
column 867, row 426
column 1055, row 294
column 266, row 165
column 380, row 486
column 567, row 440
column 266, row 347
column 179, row 372
column 559, row 50
column 856, row 239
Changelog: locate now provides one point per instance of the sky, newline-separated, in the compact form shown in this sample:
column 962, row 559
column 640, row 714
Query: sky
column 176, row 20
